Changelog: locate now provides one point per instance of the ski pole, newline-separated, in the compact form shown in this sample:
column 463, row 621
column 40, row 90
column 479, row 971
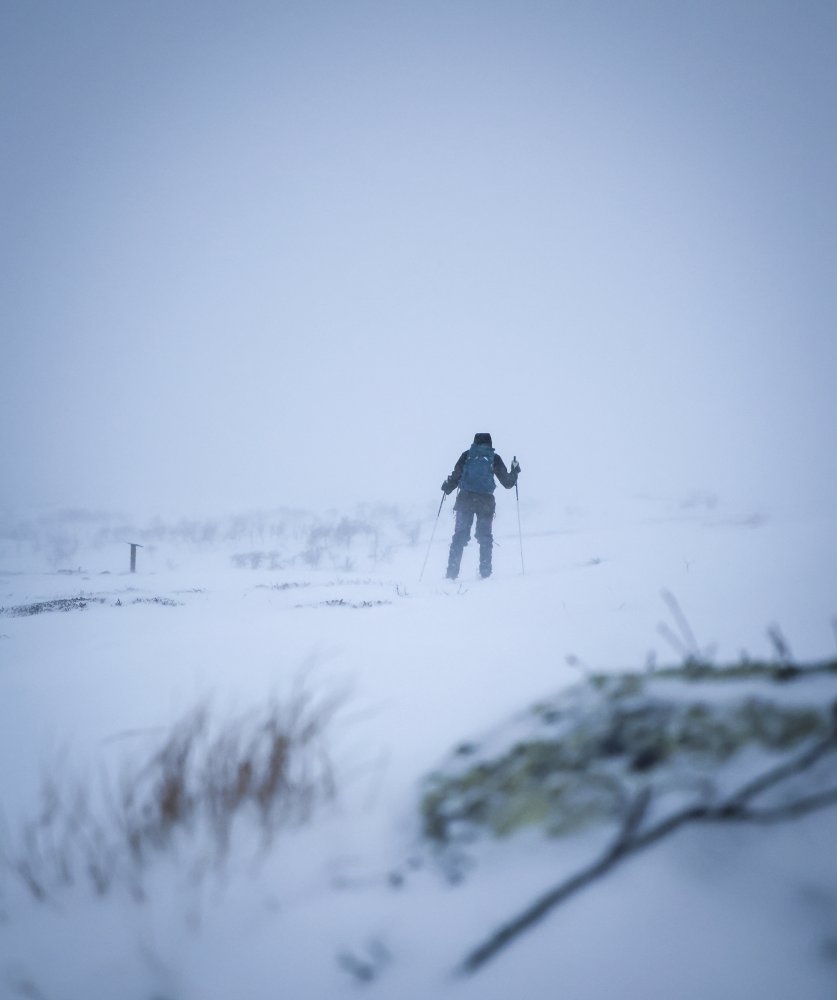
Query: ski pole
column 519, row 529
column 432, row 536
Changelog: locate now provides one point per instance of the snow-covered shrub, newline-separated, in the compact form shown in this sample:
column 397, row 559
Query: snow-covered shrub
column 579, row 758
column 361, row 538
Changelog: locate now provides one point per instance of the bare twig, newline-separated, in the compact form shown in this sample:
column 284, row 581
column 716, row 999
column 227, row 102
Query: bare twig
column 673, row 640
column 682, row 622
column 792, row 810
column 780, row 645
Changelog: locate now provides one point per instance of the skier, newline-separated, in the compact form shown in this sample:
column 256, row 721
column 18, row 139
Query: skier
column 474, row 474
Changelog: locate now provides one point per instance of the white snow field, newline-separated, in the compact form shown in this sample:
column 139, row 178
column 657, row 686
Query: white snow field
column 352, row 901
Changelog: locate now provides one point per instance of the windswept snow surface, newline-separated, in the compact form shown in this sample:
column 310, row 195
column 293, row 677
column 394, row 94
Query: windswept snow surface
column 711, row 913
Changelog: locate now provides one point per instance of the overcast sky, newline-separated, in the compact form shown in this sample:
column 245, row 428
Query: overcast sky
column 263, row 253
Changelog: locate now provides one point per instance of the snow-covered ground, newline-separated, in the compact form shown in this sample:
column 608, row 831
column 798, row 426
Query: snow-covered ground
column 713, row 912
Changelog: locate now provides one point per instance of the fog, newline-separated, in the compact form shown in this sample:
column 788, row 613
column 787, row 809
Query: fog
column 299, row 253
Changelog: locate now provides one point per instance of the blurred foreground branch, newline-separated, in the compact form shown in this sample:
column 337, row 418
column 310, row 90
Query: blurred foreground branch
column 631, row 839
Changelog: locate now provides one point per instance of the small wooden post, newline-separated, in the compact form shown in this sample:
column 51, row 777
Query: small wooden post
column 134, row 547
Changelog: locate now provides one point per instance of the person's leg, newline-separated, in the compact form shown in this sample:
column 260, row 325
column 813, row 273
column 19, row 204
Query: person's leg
column 461, row 537
column 486, row 540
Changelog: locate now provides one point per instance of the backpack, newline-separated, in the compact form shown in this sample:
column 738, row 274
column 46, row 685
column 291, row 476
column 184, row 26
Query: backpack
column 478, row 473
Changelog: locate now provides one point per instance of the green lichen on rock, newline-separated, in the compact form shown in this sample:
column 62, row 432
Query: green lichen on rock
column 583, row 753
column 704, row 732
column 777, row 727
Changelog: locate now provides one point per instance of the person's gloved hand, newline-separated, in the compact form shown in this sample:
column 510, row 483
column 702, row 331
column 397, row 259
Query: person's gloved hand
column 448, row 486
column 515, row 466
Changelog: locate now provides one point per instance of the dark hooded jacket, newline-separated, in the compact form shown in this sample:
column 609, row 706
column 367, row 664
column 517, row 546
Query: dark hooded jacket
column 478, row 500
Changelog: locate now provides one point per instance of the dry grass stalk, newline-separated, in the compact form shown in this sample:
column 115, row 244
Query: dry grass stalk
column 267, row 767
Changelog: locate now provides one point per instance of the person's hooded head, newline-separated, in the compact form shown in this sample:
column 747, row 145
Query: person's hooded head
column 483, row 439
